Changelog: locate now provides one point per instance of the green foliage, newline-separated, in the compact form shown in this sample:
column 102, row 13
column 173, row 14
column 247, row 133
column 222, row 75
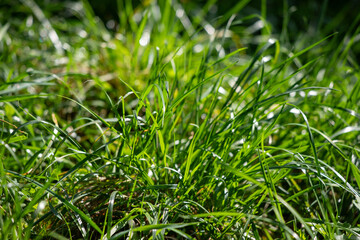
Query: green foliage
column 177, row 121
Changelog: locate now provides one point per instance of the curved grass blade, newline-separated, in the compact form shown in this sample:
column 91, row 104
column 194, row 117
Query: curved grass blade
column 23, row 97
column 63, row 200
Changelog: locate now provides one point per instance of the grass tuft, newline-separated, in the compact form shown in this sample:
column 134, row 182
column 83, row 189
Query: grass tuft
column 178, row 120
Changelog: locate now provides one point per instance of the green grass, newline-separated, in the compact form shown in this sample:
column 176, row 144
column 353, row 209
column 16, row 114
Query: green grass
column 179, row 124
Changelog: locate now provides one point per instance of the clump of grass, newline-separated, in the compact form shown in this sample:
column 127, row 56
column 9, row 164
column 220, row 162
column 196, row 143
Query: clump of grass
column 175, row 125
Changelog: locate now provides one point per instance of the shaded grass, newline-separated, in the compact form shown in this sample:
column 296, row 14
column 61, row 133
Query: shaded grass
column 175, row 126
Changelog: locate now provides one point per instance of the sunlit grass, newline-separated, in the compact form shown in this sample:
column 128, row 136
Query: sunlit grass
column 176, row 125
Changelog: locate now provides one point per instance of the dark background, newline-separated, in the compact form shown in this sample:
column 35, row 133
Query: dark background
column 304, row 12
column 317, row 19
